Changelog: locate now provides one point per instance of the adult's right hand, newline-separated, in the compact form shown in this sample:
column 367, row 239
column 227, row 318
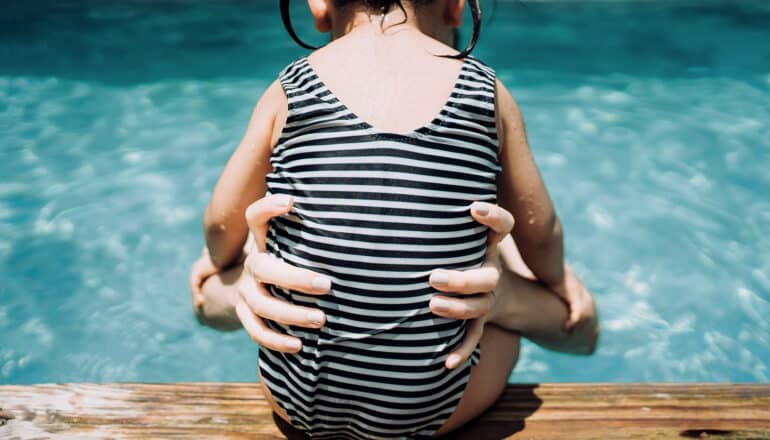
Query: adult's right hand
column 256, row 303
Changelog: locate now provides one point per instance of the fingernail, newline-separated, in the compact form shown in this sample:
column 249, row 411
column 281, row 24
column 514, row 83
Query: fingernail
column 316, row 317
column 321, row 284
column 440, row 305
column 453, row 360
column 281, row 200
column 481, row 210
column 293, row 344
column 440, row 278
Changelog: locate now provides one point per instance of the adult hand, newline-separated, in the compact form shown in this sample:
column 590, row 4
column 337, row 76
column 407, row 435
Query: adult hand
column 256, row 303
column 478, row 284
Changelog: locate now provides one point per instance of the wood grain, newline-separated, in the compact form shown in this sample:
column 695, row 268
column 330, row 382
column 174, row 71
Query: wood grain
column 239, row 411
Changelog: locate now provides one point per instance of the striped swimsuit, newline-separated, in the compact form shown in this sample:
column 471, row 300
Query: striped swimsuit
column 376, row 212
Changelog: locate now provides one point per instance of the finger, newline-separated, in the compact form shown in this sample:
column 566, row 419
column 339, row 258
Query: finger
column 575, row 294
column 259, row 213
column 463, row 352
column 461, row 308
column 262, row 335
column 499, row 220
column 269, row 307
column 574, row 315
column 268, row 269
column 482, row 279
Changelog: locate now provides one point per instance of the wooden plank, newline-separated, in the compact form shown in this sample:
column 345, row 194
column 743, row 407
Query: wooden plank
column 239, row 411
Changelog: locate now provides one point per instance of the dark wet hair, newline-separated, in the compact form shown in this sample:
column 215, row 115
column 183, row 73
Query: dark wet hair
column 384, row 6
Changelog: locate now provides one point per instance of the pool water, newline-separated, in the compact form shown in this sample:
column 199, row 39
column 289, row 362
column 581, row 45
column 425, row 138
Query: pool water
column 649, row 120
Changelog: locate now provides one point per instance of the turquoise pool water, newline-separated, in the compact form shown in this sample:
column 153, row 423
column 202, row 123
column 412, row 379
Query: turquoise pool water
column 650, row 122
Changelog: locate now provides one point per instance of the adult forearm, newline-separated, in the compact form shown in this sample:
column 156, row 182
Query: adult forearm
column 527, row 307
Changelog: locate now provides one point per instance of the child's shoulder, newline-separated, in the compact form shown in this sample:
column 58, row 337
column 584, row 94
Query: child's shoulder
column 480, row 66
column 292, row 69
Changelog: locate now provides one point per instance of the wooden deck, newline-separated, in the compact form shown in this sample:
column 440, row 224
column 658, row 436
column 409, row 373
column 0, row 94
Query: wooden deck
column 238, row 411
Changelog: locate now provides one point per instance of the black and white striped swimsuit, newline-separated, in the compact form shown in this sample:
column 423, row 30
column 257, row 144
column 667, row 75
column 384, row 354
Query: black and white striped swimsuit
column 377, row 212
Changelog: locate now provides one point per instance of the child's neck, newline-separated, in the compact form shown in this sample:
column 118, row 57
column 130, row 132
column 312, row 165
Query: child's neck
column 348, row 21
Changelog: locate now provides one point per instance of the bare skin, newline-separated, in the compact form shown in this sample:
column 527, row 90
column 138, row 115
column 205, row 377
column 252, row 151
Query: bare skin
column 395, row 58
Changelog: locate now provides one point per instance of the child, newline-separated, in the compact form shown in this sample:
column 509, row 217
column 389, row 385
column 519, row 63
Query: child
column 383, row 138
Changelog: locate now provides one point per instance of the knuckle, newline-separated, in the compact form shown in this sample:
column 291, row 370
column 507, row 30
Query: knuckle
column 285, row 317
column 252, row 212
column 463, row 310
column 258, row 264
column 241, row 289
column 458, row 282
column 249, row 262
column 273, row 342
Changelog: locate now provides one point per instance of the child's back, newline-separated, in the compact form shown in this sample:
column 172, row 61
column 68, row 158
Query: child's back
column 385, row 147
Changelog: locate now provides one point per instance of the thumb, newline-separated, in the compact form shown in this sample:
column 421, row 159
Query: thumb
column 259, row 213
